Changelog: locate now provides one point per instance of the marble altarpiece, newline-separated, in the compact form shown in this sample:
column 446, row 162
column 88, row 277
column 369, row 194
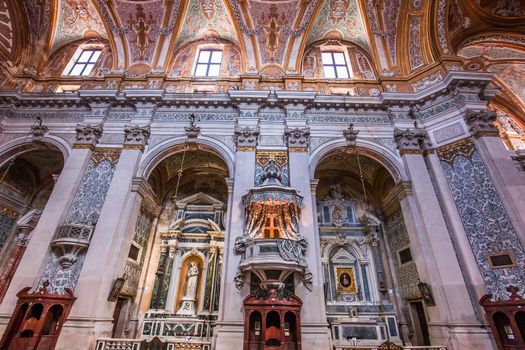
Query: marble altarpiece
column 187, row 285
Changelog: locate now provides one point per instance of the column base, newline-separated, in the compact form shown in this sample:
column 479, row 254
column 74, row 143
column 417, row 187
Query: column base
column 459, row 337
column 315, row 337
column 81, row 334
column 228, row 336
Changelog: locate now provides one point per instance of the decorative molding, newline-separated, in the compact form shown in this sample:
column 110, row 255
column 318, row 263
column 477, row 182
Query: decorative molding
column 297, row 139
column 448, row 132
column 246, row 138
column 192, row 131
column 87, row 135
column 464, row 147
column 136, row 137
column 411, row 141
column 481, row 123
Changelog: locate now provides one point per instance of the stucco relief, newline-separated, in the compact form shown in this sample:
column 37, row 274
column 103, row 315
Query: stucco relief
column 349, row 27
column 77, row 19
column 6, row 27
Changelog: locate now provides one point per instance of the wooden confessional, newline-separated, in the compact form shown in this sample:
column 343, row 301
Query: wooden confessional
column 272, row 323
column 37, row 320
column 507, row 319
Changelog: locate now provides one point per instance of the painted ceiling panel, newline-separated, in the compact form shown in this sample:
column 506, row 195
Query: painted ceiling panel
column 76, row 19
column 273, row 21
column 342, row 16
column 142, row 23
column 204, row 16
column 6, row 27
column 506, row 8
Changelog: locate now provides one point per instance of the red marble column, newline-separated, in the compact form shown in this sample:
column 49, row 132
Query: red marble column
column 14, row 259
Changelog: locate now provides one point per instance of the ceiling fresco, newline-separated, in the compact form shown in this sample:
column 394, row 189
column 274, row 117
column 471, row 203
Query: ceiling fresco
column 339, row 19
column 505, row 8
column 205, row 18
column 392, row 45
column 76, row 19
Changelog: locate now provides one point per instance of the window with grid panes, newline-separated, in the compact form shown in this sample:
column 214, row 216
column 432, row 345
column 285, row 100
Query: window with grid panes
column 85, row 63
column 208, row 63
column 334, row 65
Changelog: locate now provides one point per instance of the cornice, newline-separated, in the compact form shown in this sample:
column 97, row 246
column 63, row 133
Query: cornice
column 476, row 82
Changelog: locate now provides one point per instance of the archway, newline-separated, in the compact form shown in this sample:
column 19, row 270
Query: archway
column 364, row 245
column 27, row 178
column 184, row 249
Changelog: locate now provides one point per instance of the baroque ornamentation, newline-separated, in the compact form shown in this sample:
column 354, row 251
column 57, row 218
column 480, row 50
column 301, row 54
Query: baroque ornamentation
column 136, row 136
column 297, row 139
column 481, row 123
column 88, row 135
column 411, row 140
column 246, row 138
column 464, row 148
column 426, row 82
column 414, row 45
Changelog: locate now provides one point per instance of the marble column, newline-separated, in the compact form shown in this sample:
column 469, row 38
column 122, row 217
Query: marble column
column 453, row 321
column 92, row 315
column 503, row 171
column 314, row 327
column 229, row 330
column 34, row 260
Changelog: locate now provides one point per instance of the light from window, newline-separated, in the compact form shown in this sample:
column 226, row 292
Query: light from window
column 334, row 65
column 208, row 63
column 85, row 63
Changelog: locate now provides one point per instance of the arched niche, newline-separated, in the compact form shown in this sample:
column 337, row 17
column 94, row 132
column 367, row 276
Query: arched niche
column 185, row 57
column 359, row 62
column 184, row 267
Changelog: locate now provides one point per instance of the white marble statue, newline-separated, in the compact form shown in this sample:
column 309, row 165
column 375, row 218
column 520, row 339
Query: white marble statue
column 187, row 306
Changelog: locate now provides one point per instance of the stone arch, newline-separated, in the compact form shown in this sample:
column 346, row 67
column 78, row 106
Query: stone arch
column 24, row 144
column 381, row 154
column 165, row 149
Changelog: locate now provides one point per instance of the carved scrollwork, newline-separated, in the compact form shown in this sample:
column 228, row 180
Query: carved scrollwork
column 246, row 138
column 481, row 123
column 411, row 140
column 88, row 135
column 136, row 136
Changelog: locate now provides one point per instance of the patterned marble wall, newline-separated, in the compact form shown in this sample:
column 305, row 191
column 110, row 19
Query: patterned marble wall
column 85, row 209
column 7, row 221
column 486, row 222
column 133, row 268
column 407, row 274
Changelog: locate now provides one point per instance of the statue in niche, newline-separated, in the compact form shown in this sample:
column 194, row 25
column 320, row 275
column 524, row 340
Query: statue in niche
column 190, row 291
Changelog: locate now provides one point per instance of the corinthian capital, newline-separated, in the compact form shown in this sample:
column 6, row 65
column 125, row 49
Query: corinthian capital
column 246, row 138
column 136, row 137
column 411, row 140
column 297, row 138
column 481, row 123
column 88, row 135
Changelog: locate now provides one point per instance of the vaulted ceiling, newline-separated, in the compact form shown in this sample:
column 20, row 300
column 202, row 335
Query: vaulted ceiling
column 398, row 39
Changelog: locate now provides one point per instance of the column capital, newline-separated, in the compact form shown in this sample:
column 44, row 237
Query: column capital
column 87, row 135
column 411, row 141
column 313, row 186
column 246, row 138
column 481, row 123
column 297, row 139
column 136, row 137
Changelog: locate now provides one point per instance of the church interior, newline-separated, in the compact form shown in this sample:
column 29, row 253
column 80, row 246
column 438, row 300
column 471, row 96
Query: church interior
column 262, row 174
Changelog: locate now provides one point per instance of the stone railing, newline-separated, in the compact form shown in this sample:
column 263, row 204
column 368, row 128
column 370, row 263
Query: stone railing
column 137, row 344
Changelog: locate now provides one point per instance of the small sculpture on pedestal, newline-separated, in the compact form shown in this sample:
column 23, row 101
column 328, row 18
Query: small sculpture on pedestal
column 190, row 291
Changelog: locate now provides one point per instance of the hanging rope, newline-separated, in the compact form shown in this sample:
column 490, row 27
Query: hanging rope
column 179, row 175
column 362, row 178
